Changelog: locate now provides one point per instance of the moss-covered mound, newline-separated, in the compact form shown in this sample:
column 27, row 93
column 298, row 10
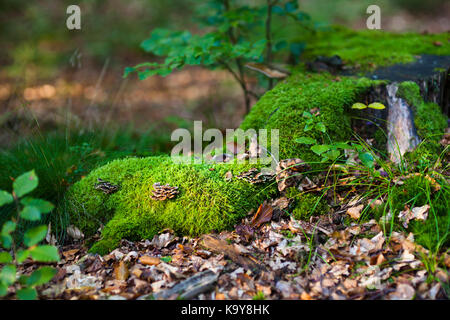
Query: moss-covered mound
column 368, row 49
column 283, row 108
column 206, row 202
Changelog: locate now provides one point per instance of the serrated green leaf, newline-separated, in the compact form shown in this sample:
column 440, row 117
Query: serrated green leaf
column 25, row 183
column 27, row 294
column 5, row 198
column 41, row 276
column 8, row 274
column 377, row 105
column 42, row 205
column 306, row 140
column 30, row 213
column 359, row 106
column 35, row 235
column 5, row 257
column 319, row 149
column 44, row 253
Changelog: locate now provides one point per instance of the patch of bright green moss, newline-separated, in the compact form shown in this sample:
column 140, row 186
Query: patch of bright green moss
column 308, row 204
column 429, row 121
column 410, row 92
column 206, row 202
column 373, row 48
column 282, row 108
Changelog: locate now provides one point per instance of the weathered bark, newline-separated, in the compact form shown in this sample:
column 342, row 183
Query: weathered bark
column 187, row 289
column 402, row 135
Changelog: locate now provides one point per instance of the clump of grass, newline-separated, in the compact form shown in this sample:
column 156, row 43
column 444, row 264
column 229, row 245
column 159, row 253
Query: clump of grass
column 60, row 158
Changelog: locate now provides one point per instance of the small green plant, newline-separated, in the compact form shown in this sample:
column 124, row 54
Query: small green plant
column 29, row 209
column 240, row 34
column 259, row 296
column 374, row 105
column 331, row 151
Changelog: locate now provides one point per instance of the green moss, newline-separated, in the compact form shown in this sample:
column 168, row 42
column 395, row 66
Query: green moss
column 372, row 48
column 429, row 121
column 206, row 201
column 410, row 92
column 308, row 204
column 282, row 108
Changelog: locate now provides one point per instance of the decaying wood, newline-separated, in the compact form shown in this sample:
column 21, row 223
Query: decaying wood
column 187, row 289
column 402, row 135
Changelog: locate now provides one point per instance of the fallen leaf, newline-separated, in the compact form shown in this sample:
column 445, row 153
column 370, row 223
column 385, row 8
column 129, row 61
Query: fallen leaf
column 263, row 215
column 245, row 231
column 149, row 261
column 121, row 271
column 417, row 213
column 355, row 212
column 403, row 292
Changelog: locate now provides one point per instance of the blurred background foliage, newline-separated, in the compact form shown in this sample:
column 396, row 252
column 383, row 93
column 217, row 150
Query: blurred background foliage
column 33, row 33
column 65, row 109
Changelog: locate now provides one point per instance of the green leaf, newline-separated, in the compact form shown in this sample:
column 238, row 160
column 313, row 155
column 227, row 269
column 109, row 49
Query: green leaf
column 42, row 205
column 321, row 127
column 308, row 127
column 307, row 114
column 45, row 253
column 5, row 238
column 41, row 276
column 306, row 140
column 332, row 154
column 342, row 145
column 30, row 213
column 166, row 259
column 320, row 148
column 27, row 294
column 3, row 289
column 8, row 227
column 25, row 183
column 6, row 241
column 377, row 105
column 22, row 255
column 359, row 106
column 8, row 274
column 5, row 257
column 5, row 198
column 35, row 235
column 367, row 159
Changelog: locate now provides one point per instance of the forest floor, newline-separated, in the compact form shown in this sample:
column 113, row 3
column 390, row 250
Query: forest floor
column 285, row 259
column 270, row 255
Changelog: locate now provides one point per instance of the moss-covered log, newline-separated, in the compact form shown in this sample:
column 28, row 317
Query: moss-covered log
column 206, row 202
